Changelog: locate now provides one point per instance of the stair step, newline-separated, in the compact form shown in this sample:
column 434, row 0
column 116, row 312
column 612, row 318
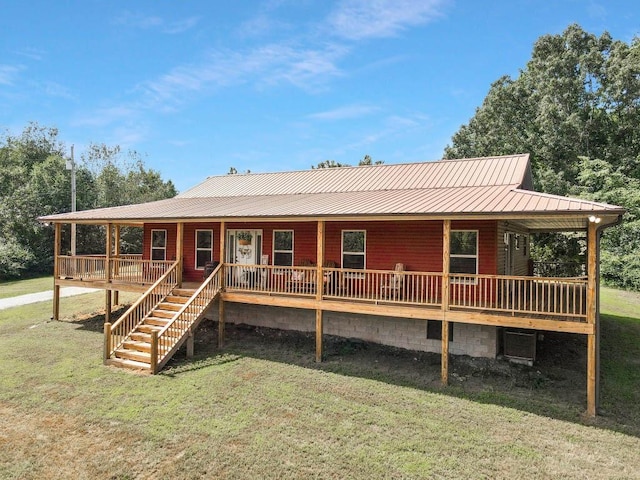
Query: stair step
column 183, row 292
column 158, row 322
column 169, row 306
column 129, row 364
column 147, row 329
column 177, row 299
column 157, row 312
column 137, row 345
column 133, row 355
column 142, row 337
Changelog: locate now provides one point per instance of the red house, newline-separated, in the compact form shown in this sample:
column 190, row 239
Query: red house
column 429, row 256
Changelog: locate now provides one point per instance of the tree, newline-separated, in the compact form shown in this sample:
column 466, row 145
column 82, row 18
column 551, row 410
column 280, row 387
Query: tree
column 34, row 182
column 329, row 164
column 366, row 160
column 575, row 108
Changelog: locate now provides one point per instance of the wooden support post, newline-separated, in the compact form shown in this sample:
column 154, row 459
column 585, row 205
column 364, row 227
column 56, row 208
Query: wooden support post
column 107, row 341
column 446, row 246
column 56, row 272
column 319, row 288
column 107, row 306
column 116, row 268
column 319, row 328
column 190, row 342
column 108, row 250
column 220, row 323
column 153, row 353
column 179, row 250
column 592, row 353
column 222, row 243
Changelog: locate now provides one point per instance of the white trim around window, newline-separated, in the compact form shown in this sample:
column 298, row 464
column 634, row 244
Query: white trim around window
column 283, row 248
column 356, row 256
column 463, row 254
column 204, row 248
column 158, row 245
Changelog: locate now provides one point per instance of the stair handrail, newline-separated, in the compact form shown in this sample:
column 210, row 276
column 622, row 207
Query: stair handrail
column 136, row 313
column 207, row 291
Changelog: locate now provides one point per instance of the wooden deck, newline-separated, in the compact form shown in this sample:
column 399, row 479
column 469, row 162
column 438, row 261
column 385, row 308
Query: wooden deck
column 542, row 303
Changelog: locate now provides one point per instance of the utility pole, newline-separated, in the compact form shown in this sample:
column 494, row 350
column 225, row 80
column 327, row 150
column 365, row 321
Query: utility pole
column 71, row 165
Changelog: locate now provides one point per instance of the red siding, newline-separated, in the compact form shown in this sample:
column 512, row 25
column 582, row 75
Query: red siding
column 417, row 244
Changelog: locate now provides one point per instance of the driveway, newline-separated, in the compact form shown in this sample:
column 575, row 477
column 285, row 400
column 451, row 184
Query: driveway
column 42, row 296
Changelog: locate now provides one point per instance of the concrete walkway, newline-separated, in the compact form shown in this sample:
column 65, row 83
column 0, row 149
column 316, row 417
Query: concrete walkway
column 42, row 296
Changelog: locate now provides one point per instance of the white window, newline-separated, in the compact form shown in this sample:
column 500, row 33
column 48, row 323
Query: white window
column 283, row 248
column 353, row 249
column 464, row 252
column 158, row 244
column 204, row 248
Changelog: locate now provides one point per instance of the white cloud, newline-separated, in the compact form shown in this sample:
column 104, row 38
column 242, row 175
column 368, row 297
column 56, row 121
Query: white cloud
column 273, row 65
column 359, row 19
column 345, row 112
column 9, row 74
column 149, row 22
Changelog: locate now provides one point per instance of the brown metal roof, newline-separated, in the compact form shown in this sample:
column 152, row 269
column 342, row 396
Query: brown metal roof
column 490, row 171
column 487, row 187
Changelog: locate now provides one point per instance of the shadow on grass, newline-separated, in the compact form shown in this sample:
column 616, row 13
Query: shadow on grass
column 554, row 387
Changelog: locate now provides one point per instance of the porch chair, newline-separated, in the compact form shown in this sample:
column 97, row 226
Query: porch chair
column 394, row 288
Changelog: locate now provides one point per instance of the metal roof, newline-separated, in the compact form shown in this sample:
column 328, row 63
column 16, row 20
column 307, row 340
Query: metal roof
column 475, row 172
column 487, row 187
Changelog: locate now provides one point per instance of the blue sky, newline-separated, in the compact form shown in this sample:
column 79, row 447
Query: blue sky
column 200, row 86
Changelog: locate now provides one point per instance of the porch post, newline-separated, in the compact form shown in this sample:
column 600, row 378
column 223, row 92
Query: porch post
column 223, row 239
column 592, row 350
column 116, row 266
column 319, row 289
column 107, row 266
column 446, row 239
column 56, row 272
column 179, row 250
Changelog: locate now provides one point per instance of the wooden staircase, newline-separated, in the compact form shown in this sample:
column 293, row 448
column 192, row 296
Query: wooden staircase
column 135, row 352
column 150, row 332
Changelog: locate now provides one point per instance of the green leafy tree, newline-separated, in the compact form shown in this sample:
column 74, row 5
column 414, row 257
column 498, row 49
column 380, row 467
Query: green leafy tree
column 35, row 182
column 576, row 108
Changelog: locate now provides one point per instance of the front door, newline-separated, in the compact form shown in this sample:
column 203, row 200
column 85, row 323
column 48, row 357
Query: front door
column 244, row 247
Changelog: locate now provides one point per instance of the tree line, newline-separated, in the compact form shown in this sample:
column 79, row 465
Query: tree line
column 35, row 182
column 575, row 107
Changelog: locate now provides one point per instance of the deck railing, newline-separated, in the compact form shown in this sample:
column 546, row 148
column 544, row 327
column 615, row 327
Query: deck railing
column 552, row 296
column 558, row 297
column 565, row 297
column 83, row 267
column 118, row 332
column 125, row 268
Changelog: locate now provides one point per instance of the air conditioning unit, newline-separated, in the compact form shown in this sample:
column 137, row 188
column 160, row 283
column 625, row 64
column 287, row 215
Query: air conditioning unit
column 520, row 346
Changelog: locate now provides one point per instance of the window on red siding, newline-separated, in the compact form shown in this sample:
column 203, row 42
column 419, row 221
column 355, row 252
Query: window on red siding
column 204, row 248
column 283, row 248
column 158, row 244
column 354, row 249
column 464, row 252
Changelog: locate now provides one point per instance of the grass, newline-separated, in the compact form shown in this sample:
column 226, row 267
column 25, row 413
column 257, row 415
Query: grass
column 22, row 287
column 261, row 408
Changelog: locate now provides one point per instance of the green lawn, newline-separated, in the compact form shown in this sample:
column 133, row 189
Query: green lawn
column 262, row 408
column 22, row 287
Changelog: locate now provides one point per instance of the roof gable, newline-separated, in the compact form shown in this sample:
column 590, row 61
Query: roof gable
column 477, row 172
